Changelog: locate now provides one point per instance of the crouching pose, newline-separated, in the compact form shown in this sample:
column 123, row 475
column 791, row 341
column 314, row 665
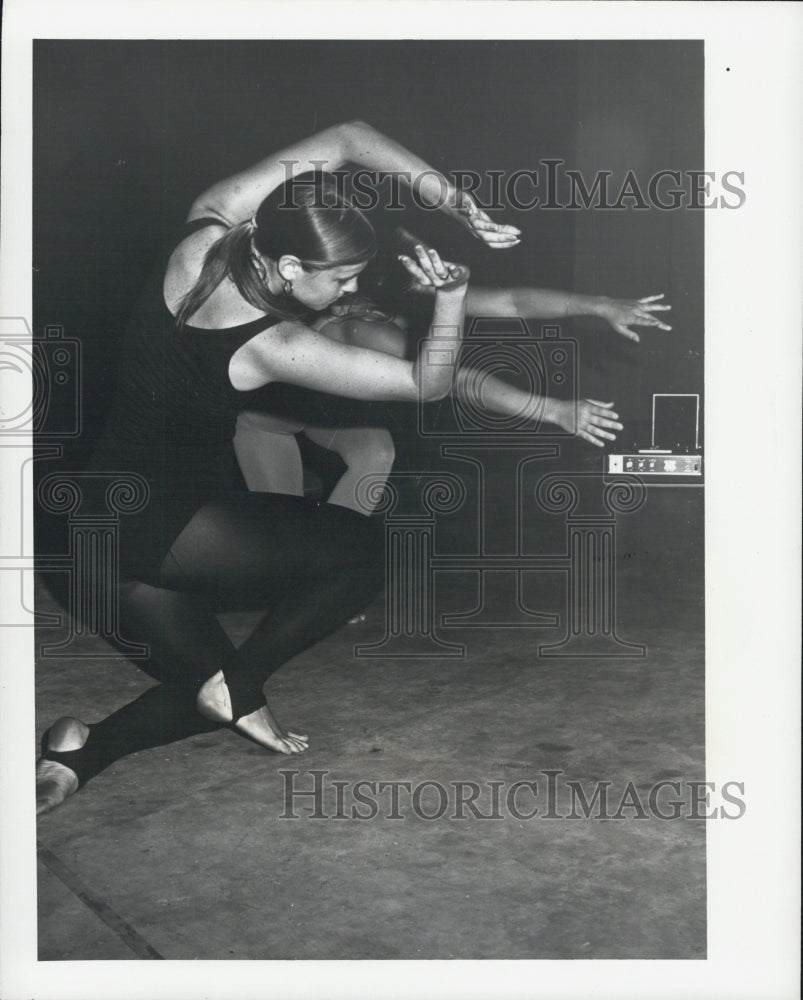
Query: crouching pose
column 234, row 310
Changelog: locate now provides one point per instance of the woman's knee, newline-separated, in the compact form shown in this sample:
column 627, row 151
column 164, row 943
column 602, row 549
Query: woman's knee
column 257, row 421
column 370, row 450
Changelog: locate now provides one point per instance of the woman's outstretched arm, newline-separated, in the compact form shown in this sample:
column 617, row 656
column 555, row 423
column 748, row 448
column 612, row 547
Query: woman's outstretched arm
column 594, row 421
column 237, row 198
column 590, row 419
column 543, row 303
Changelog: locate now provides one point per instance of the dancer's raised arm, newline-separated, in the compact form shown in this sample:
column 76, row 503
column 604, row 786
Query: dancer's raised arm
column 237, row 198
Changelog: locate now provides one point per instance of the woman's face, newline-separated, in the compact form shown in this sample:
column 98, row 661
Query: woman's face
column 320, row 289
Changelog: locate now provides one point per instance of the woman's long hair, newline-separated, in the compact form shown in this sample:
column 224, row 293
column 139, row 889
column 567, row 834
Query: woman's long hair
column 305, row 217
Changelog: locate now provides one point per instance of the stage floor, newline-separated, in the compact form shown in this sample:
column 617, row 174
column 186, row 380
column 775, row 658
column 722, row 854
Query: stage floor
column 183, row 852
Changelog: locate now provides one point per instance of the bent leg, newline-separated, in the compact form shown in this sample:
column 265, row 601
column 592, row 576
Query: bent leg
column 367, row 452
column 187, row 645
column 161, row 715
column 268, row 454
column 186, row 641
column 310, row 567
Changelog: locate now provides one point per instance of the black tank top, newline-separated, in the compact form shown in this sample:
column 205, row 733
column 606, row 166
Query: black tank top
column 174, row 386
column 172, row 421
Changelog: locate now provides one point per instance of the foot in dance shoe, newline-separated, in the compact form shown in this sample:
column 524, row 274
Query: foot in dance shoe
column 214, row 703
column 56, row 781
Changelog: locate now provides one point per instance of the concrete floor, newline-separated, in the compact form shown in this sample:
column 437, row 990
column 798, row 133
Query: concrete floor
column 180, row 852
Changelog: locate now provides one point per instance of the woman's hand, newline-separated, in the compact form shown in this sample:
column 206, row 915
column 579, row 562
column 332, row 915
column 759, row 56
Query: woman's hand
column 589, row 419
column 624, row 313
column 479, row 224
column 430, row 272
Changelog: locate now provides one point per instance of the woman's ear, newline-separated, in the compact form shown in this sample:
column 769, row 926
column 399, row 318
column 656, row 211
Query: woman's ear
column 289, row 267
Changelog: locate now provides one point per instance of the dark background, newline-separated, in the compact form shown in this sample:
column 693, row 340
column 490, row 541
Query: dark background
column 127, row 134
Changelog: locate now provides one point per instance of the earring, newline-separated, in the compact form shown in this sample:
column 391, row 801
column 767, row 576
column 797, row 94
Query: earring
column 287, row 286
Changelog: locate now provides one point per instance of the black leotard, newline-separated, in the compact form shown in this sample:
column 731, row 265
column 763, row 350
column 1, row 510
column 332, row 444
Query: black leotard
column 172, row 422
column 199, row 545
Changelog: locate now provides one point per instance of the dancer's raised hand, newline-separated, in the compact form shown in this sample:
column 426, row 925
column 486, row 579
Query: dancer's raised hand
column 430, row 272
column 495, row 235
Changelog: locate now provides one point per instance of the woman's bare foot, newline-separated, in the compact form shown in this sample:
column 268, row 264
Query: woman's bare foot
column 214, row 703
column 55, row 782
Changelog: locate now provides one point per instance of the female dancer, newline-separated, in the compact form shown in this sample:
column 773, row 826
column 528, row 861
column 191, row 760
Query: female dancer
column 232, row 313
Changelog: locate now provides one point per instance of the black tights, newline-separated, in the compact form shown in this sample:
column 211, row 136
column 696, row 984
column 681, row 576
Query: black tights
column 308, row 566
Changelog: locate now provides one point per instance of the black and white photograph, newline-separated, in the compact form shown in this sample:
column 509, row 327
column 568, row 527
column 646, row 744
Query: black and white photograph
column 399, row 558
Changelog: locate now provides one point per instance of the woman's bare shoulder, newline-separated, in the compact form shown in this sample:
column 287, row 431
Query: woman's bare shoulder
column 186, row 261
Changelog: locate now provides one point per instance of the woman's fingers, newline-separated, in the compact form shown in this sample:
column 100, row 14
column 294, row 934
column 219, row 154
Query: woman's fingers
column 496, row 235
column 600, row 410
column 654, row 298
column 627, row 332
column 591, row 439
column 425, row 263
column 647, row 319
column 483, row 224
column 439, row 267
column 599, row 433
column 594, row 418
column 496, row 244
column 413, row 268
column 604, row 422
column 428, row 269
column 595, row 434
